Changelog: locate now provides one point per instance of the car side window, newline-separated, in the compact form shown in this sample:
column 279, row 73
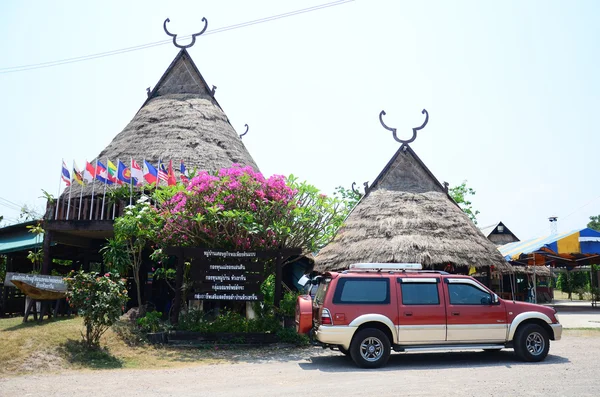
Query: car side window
column 420, row 294
column 467, row 294
column 362, row 291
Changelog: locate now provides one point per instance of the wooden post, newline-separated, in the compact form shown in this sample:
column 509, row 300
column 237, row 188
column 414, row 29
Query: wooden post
column 46, row 248
column 278, row 280
column 178, row 287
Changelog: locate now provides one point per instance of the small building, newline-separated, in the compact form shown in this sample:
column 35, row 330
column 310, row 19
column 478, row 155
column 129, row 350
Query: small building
column 181, row 120
column 499, row 234
column 407, row 216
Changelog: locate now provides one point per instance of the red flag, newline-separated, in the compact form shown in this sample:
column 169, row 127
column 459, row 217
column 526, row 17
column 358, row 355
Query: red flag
column 172, row 181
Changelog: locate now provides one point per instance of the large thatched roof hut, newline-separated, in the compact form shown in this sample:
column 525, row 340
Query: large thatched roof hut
column 180, row 120
column 407, row 216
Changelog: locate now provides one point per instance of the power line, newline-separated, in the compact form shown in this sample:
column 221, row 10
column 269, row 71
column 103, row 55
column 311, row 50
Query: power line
column 48, row 64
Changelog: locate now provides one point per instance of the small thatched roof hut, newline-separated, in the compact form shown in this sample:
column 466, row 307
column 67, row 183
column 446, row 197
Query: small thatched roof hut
column 180, row 120
column 407, row 216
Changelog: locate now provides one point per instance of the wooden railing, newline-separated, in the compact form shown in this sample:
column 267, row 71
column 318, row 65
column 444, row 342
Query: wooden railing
column 85, row 209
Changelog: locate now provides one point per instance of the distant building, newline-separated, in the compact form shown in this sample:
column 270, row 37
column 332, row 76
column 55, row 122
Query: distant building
column 499, row 234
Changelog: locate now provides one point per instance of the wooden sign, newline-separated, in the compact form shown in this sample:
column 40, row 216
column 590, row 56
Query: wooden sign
column 50, row 283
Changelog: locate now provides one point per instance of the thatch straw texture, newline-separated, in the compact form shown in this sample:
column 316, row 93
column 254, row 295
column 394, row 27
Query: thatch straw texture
column 408, row 217
column 181, row 120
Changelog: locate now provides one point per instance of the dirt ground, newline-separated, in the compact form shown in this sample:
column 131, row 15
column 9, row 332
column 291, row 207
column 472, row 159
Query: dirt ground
column 570, row 369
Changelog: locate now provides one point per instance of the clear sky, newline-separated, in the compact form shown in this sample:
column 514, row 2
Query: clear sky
column 512, row 89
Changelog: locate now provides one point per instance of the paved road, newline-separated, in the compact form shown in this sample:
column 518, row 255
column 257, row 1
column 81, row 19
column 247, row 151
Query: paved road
column 571, row 369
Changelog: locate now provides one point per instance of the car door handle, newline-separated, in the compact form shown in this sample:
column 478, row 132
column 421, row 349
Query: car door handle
column 456, row 313
column 408, row 314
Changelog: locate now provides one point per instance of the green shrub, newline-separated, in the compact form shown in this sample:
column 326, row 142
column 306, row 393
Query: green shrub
column 289, row 335
column 99, row 300
column 150, row 322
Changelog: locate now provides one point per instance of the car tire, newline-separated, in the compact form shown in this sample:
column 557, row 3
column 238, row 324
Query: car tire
column 531, row 343
column 370, row 348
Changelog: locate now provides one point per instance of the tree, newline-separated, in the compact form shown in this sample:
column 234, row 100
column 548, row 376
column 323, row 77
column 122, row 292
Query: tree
column 348, row 196
column 594, row 222
column 100, row 300
column 133, row 231
column 461, row 194
column 240, row 209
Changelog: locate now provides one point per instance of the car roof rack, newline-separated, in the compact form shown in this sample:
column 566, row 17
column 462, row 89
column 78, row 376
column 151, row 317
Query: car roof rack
column 390, row 268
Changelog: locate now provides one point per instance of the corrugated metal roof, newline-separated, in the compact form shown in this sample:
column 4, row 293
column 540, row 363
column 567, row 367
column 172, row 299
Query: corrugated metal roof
column 20, row 242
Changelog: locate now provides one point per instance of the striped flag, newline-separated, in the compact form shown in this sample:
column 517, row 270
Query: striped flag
column 66, row 177
column 163, row 175
column 112, row 172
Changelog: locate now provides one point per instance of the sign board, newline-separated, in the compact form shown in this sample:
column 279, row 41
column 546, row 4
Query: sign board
column 228, row 275
column 43, row 282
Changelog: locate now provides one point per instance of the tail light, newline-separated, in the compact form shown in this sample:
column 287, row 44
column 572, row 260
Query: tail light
column 326, row 317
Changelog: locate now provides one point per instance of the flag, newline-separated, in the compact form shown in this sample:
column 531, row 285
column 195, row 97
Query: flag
column 184, row 176
column 472, row 270
column 172, row 181
column 77, row 176
column 89, row 173
column 65, row 174
column 112, row 172
column 163, row 175
column 102, row 173
column 136, row 173
column 150, row 173
column 123, row 173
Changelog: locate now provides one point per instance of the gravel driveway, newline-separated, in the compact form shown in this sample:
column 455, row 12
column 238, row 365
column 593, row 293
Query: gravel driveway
column 570, row 369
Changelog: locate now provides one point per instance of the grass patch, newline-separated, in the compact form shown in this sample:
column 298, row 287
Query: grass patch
column 55, row 345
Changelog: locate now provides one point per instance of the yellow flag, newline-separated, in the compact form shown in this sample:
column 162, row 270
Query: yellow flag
column 472, row 270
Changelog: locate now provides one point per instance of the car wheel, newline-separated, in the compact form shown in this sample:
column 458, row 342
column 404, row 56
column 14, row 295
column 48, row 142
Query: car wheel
column 531, row 343
column 370, row 348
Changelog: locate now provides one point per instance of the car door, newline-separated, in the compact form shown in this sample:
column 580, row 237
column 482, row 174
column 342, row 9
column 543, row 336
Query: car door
column 472, row 317
column 421, row 311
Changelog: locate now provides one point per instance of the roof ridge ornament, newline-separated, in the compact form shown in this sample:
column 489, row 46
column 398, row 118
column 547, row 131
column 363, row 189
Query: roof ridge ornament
column 174, row 36
column 247, row 128
column 414, row 135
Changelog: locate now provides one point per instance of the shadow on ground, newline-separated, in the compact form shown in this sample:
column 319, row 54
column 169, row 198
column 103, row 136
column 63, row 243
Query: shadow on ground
column 420, row 361
column 32, row 323
column 76, row 352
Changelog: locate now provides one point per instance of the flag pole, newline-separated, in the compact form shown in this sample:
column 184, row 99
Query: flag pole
column 115, row 199
column 130, row 180
column 70, row 188
column 81, row 193
column 104, row 191
column 158, row 174
column 58, row 195
column 93, row 187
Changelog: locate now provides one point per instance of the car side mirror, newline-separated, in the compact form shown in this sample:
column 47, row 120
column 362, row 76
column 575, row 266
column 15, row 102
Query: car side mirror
column 486, row 300
column 495, row 299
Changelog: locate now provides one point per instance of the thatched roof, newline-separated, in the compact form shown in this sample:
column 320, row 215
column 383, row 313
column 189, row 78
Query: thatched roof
column 180, row 120
column 407, row 216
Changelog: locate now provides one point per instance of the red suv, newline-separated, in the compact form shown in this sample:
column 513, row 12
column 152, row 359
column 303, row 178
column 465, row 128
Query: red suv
column 373, row 308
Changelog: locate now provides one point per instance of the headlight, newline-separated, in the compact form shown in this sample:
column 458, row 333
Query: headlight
column 556, row 317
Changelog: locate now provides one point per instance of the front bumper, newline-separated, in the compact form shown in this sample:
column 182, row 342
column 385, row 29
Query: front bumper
column 557, row 329
column 335, row 335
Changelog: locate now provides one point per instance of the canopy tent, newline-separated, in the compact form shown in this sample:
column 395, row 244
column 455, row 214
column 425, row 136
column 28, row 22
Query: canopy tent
column 574, row 248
